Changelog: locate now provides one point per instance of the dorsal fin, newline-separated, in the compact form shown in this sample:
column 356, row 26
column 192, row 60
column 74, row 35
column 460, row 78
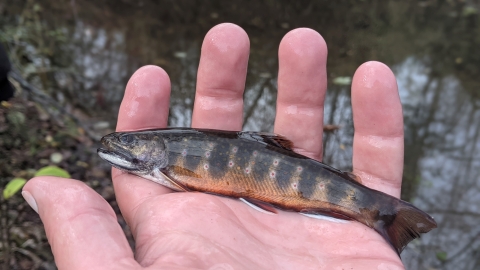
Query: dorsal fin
column 268, row 138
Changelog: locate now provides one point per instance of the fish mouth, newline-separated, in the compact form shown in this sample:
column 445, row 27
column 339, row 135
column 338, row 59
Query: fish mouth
column 117, row 156
column 117, row 160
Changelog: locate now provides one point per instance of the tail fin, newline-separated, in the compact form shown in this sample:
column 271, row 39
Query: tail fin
column 404, row 226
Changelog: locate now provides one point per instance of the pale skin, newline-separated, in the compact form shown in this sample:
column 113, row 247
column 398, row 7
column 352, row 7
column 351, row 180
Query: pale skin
column 201, row 231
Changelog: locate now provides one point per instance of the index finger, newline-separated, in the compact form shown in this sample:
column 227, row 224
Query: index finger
column 145, row 105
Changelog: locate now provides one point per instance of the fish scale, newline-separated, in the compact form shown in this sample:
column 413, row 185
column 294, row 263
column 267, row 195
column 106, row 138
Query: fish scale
column 262, row 170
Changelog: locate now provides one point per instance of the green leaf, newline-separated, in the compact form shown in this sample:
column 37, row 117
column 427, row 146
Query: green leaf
column 342, row 80
column 13, row 187
column 53, row 171
column 37, row 8
column 467, row 11
column 16, row 118
column 441, row 256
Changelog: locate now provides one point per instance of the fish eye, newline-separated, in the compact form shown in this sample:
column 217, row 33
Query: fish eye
column 126, row 138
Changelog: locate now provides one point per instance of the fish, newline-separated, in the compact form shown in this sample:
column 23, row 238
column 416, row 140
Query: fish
column 262, row 170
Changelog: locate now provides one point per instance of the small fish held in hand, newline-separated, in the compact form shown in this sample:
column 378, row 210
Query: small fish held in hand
column 262, row 170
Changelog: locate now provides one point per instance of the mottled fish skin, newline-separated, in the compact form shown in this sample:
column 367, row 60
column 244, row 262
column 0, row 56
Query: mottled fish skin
column 244, row 169
column 262, row 167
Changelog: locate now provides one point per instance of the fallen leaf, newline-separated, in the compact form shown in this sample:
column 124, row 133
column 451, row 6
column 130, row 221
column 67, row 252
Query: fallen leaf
column 13, row 187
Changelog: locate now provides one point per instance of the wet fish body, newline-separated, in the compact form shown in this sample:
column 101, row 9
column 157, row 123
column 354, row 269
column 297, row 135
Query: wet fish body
column 262, row 170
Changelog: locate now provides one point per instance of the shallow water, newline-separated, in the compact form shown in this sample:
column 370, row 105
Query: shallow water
column 87, row 51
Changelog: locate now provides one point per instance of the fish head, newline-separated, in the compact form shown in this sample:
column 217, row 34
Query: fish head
column 139, row 153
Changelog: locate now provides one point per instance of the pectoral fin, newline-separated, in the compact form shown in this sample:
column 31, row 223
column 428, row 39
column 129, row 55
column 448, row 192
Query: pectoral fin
column 161, row 178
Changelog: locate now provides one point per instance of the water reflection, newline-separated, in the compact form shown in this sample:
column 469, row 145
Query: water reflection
column 100, row 69
column 442, row 162
column 430, row 45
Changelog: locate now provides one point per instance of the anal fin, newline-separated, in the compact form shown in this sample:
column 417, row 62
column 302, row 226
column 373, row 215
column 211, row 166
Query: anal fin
column 323, row 217
column 263, row 207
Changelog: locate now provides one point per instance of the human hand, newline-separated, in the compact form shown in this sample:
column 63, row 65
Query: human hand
column 195, row 230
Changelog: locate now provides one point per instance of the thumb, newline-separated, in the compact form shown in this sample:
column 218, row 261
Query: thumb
column 81, row 227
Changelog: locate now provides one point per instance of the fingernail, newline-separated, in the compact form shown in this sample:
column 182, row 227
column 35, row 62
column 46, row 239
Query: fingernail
column 30, row 200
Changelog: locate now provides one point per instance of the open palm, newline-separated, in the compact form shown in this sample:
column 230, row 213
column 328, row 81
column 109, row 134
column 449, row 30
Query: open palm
column 201, row 231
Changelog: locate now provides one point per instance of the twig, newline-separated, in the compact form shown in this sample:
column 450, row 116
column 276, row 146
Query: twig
column 36, row 260
column 47, row 102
